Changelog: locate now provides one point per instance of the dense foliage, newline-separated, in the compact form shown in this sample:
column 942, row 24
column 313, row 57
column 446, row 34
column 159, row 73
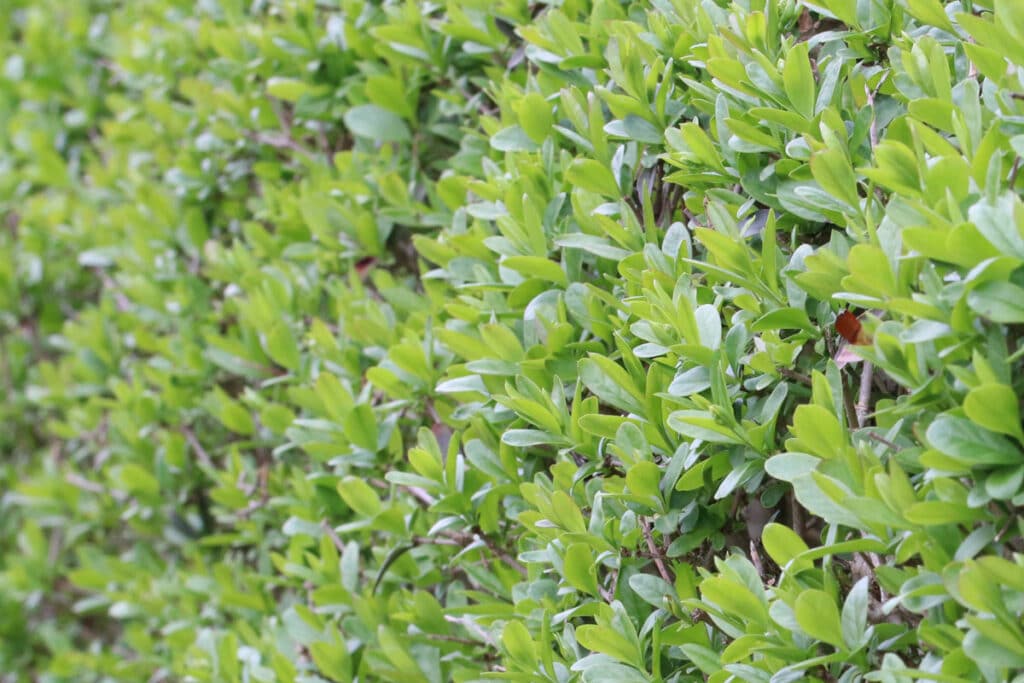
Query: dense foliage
column 428, row 341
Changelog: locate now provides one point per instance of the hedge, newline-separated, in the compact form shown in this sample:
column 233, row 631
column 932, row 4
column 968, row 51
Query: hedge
column 568, row 341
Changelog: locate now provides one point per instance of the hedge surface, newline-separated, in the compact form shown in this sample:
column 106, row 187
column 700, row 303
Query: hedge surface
column 479, row 339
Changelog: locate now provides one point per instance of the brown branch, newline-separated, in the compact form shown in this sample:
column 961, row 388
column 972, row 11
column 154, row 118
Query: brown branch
column 789, row 373
column 471, row 625
column 462, row 539
column 883, row 441
column 452, row 639
column 796, row 515
column 851, row 409
column 504, row 555
column 659, row 561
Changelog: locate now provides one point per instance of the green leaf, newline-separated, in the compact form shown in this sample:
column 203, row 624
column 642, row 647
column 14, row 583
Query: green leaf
column 376, row 123
column 359, row 496
column 567, row 513
column 736, row 600
column 518, row 643
column 282, row 347
column 611, row 383
column 288, row 89
column 783, row 545
column 361, row 427
column 536, row 266
column 593, row 176
column 983, row 649
column 606, row 641
column 995, row 407
column 706, row 659
column 855, row 615
column 834, row 172
column 818, row 616
column 398, row 654
column 512, row 139
column 1001, row 302
column 818, row 432
column 784, row 319
column 643, row 479
column 799, row 80
column 930, row 12
column 137, row 480
column 971, row 444
column 1004, row 483
column 235, row 416
column 332, row 659
column 535, row 116
column 1010, row 15
column 579, row 569
column 653, row 590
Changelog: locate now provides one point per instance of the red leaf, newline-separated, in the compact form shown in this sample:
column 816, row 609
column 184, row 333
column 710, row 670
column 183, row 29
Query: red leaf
column 850, row 328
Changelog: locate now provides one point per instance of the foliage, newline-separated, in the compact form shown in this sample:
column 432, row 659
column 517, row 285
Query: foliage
column 410, row 341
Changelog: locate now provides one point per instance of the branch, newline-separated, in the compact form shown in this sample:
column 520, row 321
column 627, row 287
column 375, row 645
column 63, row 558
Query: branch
column 81, row 482
column 659, row 561
column 864, row 397
column 201, row 454
column 792, row 374
column 333, row 535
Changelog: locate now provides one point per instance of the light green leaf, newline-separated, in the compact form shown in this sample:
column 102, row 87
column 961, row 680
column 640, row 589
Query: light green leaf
column 359, row 496
column 995, row 407
column 593, row 176
column 376, row 123
column 818, row 616
column 611, row 383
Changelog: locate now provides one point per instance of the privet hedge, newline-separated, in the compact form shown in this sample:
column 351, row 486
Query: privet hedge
column 472, row 340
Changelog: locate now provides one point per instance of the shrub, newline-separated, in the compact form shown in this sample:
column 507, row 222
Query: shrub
column 423, row 342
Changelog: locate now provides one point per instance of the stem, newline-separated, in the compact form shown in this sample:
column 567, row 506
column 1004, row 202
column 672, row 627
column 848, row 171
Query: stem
column 659, row 562
column 864, row 397
column 201, row 454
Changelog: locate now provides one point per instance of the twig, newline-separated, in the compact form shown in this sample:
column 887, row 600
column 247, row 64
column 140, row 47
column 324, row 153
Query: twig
column 81, row 482
column 333, row 535
column 882, row 440
column 873, row 130
column 755, row 558
column 416, row 492
column 451, row 639
column 463, row 539
column 795, row 513
column 864, row 396
column 609, row 593
column 659, row 562
column 201, row 454
column 122, row 301
column 1002, row 532
column 279, row 141
column 848, row 404
column 789, row 373
column 471, row 625
column 420, row 495
column 876, row 562
column 505, row 556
